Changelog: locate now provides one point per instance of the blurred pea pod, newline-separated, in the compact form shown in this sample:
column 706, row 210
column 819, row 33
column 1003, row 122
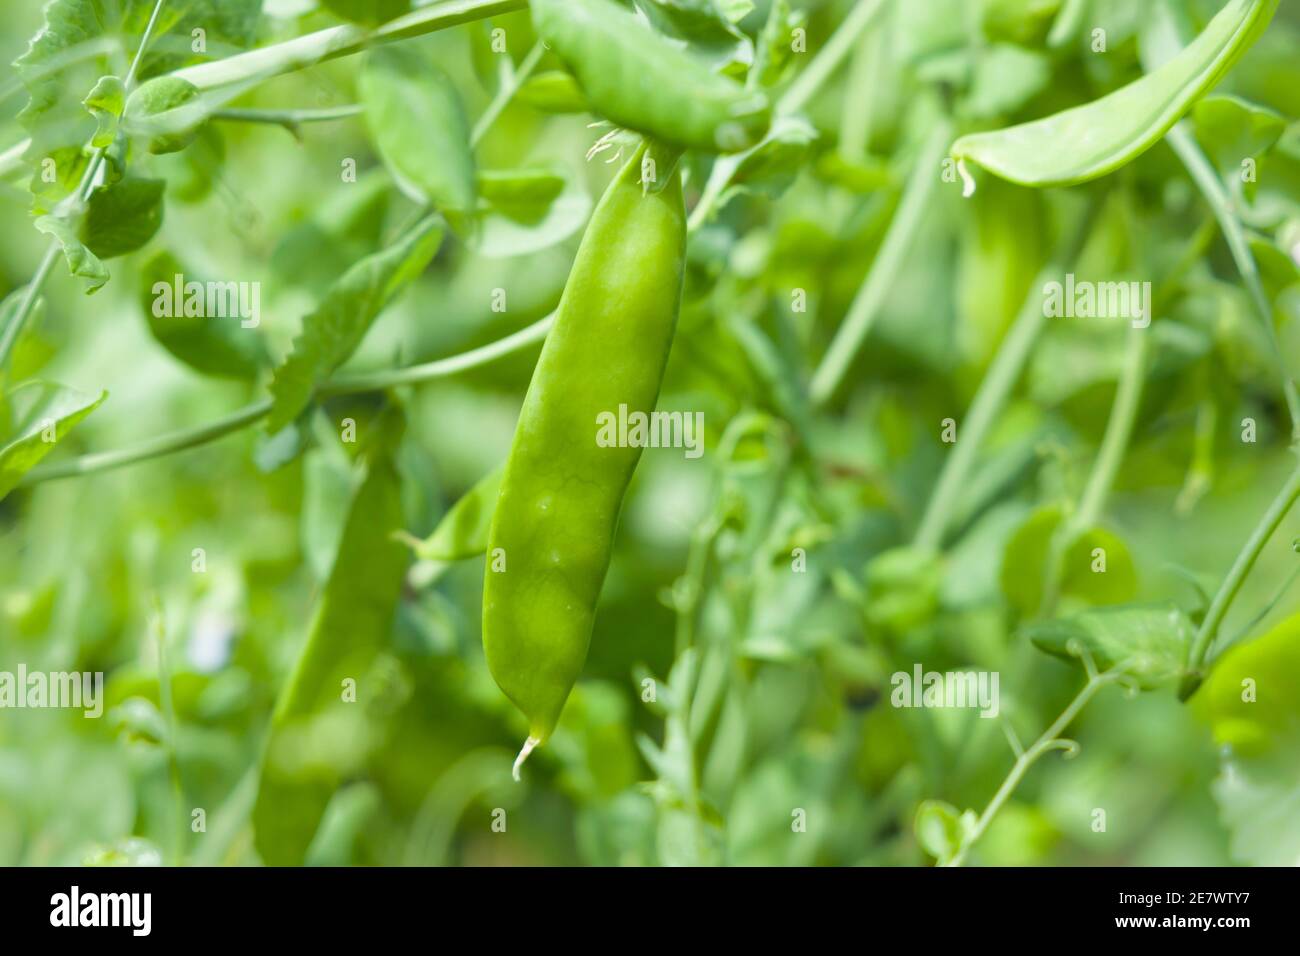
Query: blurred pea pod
column 318, row 735
column 1083, row 143
column 637, row 78
column 463, row 530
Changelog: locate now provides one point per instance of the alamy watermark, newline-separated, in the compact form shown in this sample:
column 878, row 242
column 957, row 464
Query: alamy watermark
column 626, row 429
column 938, row 689
column 76, row 690
column 1081, row 299
column 75, row 908
column 210, row 300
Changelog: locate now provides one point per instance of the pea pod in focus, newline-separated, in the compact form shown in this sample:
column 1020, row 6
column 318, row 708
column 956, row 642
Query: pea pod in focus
column 637, row 78
column 1088, row 141
column 553, row 527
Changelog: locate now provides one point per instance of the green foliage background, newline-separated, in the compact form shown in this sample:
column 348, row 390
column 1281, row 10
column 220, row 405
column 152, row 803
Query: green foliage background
column 782, row 703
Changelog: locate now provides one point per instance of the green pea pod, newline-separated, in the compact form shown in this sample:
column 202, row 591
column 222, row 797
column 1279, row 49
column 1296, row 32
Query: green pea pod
column 637, row 78
column 1089, row 141
column 319, row 737
column 553, row 527
column 463, row 530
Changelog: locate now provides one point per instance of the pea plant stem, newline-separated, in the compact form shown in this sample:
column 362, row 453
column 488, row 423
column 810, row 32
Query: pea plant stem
column 9, row 335
column 1119, row 430
column 1001, row 377
column 288, row 118
column 884, row 269
column 1237, row 574
column 989, row 401
column 506, row 92
column 270, row 61
column 203, row 434
column 1050, row 740
column 1207, row 180
column 334, row 42
column 828, row 58
column 824, row 64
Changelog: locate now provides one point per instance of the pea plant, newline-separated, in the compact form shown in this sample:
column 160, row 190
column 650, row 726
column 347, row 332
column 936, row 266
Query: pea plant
column 650, row 432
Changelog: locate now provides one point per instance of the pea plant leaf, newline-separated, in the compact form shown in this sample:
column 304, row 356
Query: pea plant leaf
column 1232, row 129
column 1006, row 76
column 201, row 323
column 166, row 112
column 82, row 263
column 80, row 41
column 1095, row 567
column 1088, row 141
column 1147, row 641
column 527, row 210
column 121, row 217
column 105, row 103
column 773, row 52
column 418, row 126
column 321, row 734
column 1234, row 133
column 942, row 830
column 332, row 332
column 42, row 414
column 553, row 91
column 1249, row 702
column 771, row 166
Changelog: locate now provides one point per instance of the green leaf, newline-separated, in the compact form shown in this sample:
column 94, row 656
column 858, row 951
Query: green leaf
column 105, row 103
column 167, row 111
column 1028, row 553
column 524, row 195
column 771, row 166
column 1147, row 641
column 181, row 320
column 81, row 261
column 81, row 41
column 122, row 216
column 1255, row 718
column 332, row 332
column 553, row 91
column 942, row 830
column 1249, row 700
column 523, row 211
column 418, row 126
column 57, row 178
column 318, row 737
column 903, row 588
column 1231, row 130
column 1089, row 141
column 42, row 413
column 773, row 51
column 1006, row 77
column 463, row 530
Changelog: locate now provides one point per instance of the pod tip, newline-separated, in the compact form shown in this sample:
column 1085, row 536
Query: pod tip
column 529, row 744
column 967, row 180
